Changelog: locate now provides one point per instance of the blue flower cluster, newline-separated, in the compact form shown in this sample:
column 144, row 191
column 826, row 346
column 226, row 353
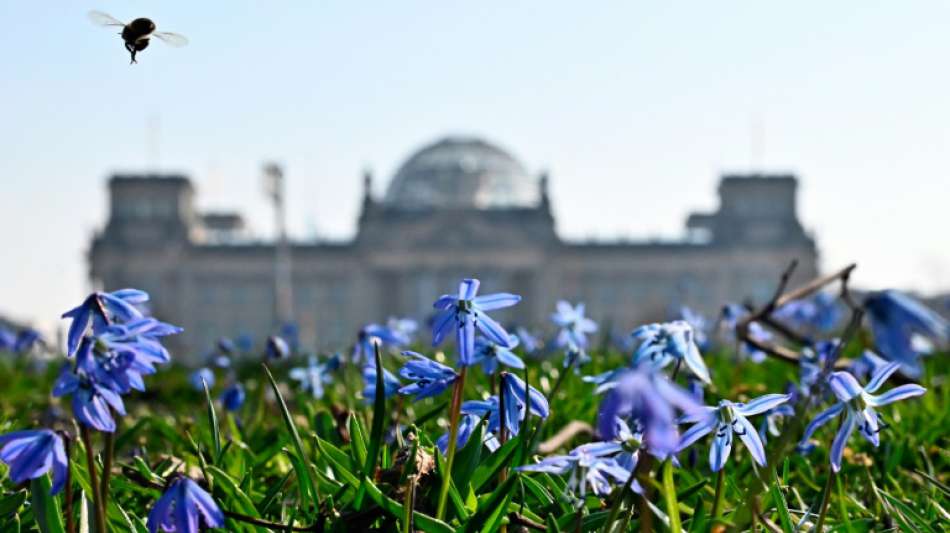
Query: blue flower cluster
column 113, row 344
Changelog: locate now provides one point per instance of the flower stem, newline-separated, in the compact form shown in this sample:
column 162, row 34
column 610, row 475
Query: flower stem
column 618, row 503
column 70, row 526
column 669, row 493
column 109, row 452
column 825, row 499
column 717, row 499
column 502, row 438
column 407, row 505
column 454, row 409
column 98, row 509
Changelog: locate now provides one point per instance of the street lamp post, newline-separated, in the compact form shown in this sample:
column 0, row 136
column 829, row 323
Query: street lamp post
column 283, row 283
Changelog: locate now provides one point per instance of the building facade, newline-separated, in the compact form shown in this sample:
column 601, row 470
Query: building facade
column 457, row 208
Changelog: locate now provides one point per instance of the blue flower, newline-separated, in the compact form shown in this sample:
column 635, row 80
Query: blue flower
column 140, row 336
column 591, row 465
column 729, row 418
column 428, row 377
column 473, row 411
column 184, row 508
column 313, row 376
column 226, row 346
column 530, row 343
column 773, row 417
column 575, row 357
column 518, row 397
column 277, row 348
column 648, row 401
column 731, row 315
column 660, row 344
column 233, row 397
column 91, row 401
column 858, row 405
column 244, row 342
column 699, row 325
column 821, row 313
column 32, row 453
column 391, row 383
column 290, row 332
column 573, row 325
column 895, row 319
column 200, row 377
column 467, row 425
column 7, row 340
column 403, row 328
column 101, row 309
column 489, row 354
column 372, row 334
column 468, row 311
column 828, row 312
column 814, row 361
column 26, row 340
column 866, row 364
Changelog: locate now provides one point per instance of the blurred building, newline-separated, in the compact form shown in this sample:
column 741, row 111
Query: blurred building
column 460, row 207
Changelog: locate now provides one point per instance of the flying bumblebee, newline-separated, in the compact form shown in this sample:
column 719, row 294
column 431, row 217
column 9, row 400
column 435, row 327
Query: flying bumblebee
column 137, row 33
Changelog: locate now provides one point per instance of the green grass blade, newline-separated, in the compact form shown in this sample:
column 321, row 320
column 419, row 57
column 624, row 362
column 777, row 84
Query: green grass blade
column 46, row 510
column 213, row 423
column 495, row 463
column 778, row 499
column 422, row 521
column 295, row 436
column 669, row 494
column 379, row 419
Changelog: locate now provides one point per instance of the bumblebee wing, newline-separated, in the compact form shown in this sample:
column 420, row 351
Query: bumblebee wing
column 103, row 19
column 172, row 39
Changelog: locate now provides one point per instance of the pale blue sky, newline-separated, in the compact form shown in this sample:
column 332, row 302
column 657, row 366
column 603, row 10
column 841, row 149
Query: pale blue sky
column 635, row 108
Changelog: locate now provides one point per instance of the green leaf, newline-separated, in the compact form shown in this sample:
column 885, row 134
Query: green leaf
column 907, row 516
column 357, row 440
column 237, row 499
column 778, row 499
column 490, row 510
column 340, row 463
column 46, row 509
column 422, row 521
column 11, row 503
column 468, row 458
column 379, row 418
column 495, row 462
column 213, row 423
column 304, row 468
column 669, row 493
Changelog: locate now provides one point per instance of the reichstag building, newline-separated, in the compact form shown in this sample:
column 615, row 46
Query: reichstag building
column 459, row 207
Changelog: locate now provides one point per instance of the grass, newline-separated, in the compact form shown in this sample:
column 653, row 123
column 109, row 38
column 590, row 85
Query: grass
column 338, row 464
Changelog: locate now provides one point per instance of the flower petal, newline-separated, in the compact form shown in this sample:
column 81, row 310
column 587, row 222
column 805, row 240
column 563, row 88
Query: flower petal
column 500, row 300
column 761, row 404
column 492, row 330
column 750, row 437
column 880, row 376
column 508, row 358
column 721, row 447
column 694, row 360
column 696, row 432
column 841, row 438
column 844, row 385
column 468, row 288
column 821, row 419
column 441, row 326
column 897, row 393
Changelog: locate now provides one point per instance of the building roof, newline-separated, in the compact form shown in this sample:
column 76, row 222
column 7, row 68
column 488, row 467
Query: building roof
column 458, row 172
